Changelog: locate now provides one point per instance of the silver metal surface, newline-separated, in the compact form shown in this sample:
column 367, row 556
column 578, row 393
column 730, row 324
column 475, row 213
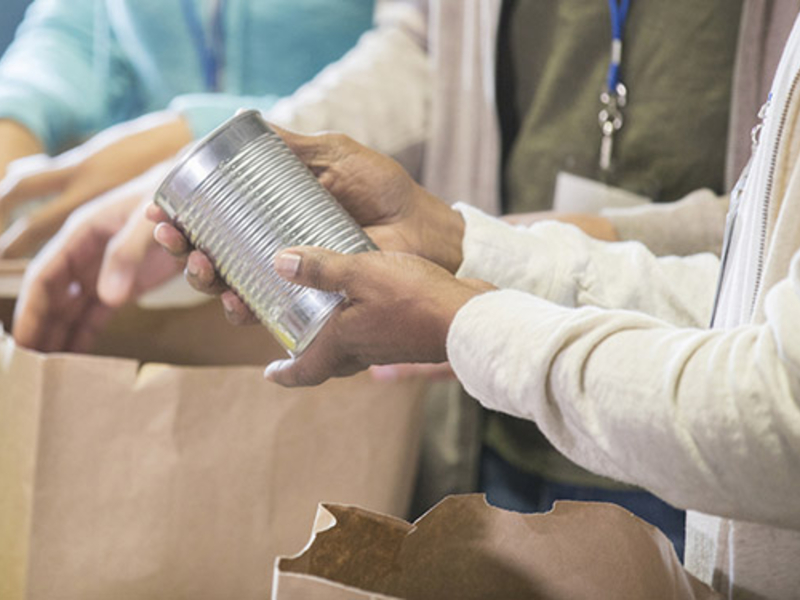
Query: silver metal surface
column 241, row 195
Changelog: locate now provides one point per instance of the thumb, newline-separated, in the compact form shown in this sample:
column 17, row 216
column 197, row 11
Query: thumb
column 306, row 147
column 316, row 267
column 292, row 372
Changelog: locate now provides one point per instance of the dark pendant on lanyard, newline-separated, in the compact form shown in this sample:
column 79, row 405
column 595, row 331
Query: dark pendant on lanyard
column 615, row 96
column 210, row 48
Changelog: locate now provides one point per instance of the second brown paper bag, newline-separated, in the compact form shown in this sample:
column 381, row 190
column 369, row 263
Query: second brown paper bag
column 465, row 549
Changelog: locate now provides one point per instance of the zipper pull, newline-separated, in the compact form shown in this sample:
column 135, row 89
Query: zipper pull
column 755, row 133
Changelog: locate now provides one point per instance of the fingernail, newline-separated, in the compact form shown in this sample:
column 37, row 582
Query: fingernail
column 191, row 269
column 274, row 367
column 227, row 303
column 158, row 233
column 287, row 264
column 384, row 372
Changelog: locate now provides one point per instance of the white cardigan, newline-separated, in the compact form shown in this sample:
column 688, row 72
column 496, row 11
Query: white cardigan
column 607, row 348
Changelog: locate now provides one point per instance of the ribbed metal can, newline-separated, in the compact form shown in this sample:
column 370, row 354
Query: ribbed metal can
column 241, row 196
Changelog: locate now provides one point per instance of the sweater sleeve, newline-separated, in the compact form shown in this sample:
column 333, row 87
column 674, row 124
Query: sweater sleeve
column 378, row 93
column 560, row 263
column 693, row 224
column 706, row 419
column 57, row 75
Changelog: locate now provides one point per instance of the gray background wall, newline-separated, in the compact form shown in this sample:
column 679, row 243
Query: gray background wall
column 10, row 16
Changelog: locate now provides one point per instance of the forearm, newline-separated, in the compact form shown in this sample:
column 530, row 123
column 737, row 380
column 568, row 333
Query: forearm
column 440, row 230
column 688, row 226
column 16, row 142
column 693, row 224
column 707, row 420
column 560, row 263
column 596, row 226
column 131, row 147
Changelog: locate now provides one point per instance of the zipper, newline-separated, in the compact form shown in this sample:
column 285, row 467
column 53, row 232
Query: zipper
column 730, row 225
column 768, row 190
column 733, row 210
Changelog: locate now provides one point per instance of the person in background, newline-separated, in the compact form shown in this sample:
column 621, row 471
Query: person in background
column 79, row 67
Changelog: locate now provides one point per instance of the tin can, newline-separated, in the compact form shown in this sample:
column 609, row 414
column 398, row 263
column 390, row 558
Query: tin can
column 241, row 196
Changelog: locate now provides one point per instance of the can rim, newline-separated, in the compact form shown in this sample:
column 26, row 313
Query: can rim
column 214, row 143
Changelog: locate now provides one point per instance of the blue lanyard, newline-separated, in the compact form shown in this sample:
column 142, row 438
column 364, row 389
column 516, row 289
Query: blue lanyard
column 615, row 96
column 619, row 16
column 210, row 51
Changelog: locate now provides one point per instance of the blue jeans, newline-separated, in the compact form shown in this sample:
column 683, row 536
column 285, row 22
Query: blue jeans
column 507, row 487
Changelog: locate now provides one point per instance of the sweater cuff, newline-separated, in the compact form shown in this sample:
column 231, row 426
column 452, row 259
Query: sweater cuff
column 539, row 259
column 487, row 247
column 478, row 343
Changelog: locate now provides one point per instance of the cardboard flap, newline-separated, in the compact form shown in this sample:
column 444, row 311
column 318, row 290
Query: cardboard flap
column 465, row 549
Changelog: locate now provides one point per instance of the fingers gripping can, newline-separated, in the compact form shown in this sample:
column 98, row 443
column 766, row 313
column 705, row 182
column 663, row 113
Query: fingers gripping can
column 241, row 196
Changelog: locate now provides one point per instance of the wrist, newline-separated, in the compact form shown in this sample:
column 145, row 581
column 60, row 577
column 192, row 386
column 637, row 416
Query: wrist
column 443, row 312
column 442, row 232
column 595, row 226
column 16, row 141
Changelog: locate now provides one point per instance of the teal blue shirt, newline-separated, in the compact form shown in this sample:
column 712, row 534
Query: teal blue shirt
column 78, row 66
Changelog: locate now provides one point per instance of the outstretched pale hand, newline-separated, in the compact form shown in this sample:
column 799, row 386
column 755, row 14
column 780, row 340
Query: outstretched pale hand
column 78, row 176
column 398, row 214
column 104, row 256
column 397, row 309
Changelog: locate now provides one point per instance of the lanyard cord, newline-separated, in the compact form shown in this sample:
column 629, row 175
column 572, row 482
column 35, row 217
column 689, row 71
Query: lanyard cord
column 210, row 51
column 619, row 16
column 615, row 96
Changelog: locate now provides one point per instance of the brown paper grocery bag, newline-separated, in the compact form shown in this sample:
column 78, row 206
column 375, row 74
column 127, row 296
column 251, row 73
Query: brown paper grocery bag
column 126, row 481
column 466, row 550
